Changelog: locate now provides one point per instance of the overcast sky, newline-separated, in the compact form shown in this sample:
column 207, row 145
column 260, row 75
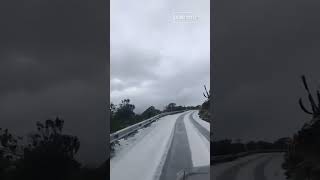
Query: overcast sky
column 52, row 62
column 261, row 49
column 156, row 60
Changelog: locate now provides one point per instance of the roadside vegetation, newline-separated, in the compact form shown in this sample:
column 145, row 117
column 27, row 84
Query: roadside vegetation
column 228, row 146
column 48, row 154
column 302, row 161
column 204, row 112
column 123, row 115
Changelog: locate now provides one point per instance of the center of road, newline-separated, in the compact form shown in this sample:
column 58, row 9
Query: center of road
column 179, row 155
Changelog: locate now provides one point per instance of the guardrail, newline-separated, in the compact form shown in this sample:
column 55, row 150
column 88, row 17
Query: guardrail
column 231, row 157
column 128, row 130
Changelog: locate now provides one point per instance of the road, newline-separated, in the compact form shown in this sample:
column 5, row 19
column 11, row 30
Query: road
column 266, row 166
column 168, row 146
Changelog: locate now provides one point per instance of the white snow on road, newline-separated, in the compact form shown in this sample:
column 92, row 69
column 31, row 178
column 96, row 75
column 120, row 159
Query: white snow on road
column 203, row 123
column 199, row 145
column 143, row 160
column 247, row 171
column 273, row 170
column 218, row 169
column 127, row 143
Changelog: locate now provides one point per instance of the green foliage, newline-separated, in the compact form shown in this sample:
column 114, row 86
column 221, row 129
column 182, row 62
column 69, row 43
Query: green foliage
column 8, row 143
column 50, row 154
column 150, row 112
column 122, row 116
column 125, row 110
column 315, row 107
column 113, row 109
column 173, row 107
column 8, row 150
column 170, row 107
column 227, row 146
column 204, row 112
column 302, row 161
column 207, row 94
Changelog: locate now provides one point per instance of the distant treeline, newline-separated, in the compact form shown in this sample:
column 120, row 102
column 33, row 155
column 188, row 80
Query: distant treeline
column 227, row 146
column 48, row 155
column 123, row 115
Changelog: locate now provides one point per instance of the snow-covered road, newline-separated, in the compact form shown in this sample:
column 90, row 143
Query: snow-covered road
column 160, row 151
column 265, row 166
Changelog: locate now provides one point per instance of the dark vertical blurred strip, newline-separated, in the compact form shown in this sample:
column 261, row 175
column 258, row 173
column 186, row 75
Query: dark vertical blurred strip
column 212, row 48
column 108, row 86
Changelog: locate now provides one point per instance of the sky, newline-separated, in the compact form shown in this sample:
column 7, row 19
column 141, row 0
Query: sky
column 53, row 63
column 156, row 60
column 262, row 48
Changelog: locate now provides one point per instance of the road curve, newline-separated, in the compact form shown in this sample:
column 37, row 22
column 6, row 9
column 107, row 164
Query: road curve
column 179, row 155
column 200, row 128
column 162, row 150
column 264, row 166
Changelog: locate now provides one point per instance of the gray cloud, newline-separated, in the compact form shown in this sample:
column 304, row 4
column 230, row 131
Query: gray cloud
column 262, row 48
column 154, row 60
column 53, row 62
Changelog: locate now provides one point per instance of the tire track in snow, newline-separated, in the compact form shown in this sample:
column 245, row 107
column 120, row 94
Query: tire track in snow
column 179, row 155
column 274, row 170
column 231, row 173
column 259, row 170
column 200, row 128
column 199, row 145
column 141, row 162
column 248, row 171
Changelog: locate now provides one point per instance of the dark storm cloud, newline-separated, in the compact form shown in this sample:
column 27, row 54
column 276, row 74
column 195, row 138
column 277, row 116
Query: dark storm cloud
column 262, row 48
column 53, row 62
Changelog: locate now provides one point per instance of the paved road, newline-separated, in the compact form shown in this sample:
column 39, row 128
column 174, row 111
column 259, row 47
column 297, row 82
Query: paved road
column 266, row 166
column 179, row 155
column 159, row 152
column 187, row 151
column 200, row 128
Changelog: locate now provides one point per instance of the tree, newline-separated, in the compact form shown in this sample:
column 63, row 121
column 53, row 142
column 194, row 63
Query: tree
column 302, row 161
column 315, row 108
column 282, row 143
column 207, row 94
column 170, row 107
column 113, row 109
column 50, row 153
column 149, row 112
column 8, row 150
column 122, row 115
column 204, row 111
column 125, row 111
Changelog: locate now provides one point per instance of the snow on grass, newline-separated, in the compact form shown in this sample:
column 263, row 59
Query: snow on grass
column 143, row 160
column 199, row 145
column 273, row 170
column 203, row 123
